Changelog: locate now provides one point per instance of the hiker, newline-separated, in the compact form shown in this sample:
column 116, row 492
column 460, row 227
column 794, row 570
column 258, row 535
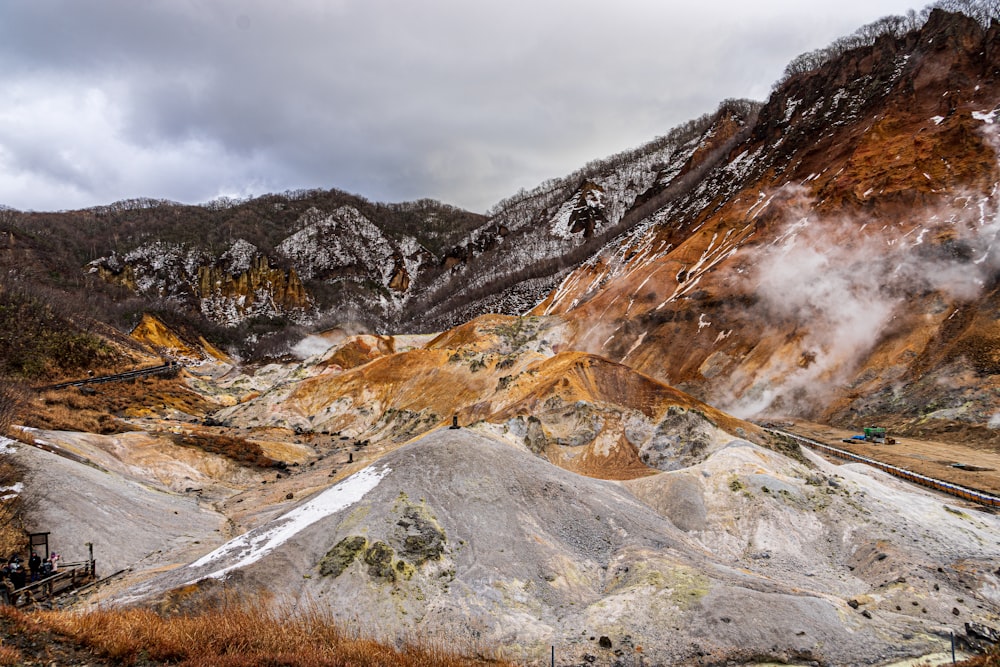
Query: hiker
column 34, row 565
column 54, row 560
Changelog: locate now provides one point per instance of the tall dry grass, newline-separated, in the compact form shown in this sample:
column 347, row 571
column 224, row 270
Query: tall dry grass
column 13, row 537
column 241, row 636
column 9, row 656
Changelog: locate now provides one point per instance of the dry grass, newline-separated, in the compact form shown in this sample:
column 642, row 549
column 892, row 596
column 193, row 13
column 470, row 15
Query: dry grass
column 989, row 659
column 239, row 636
column 9, row 656
column 91, row 409
column 240, row 450
column 13, row 538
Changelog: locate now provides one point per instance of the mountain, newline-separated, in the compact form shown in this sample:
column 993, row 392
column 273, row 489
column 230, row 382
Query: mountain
column 431, row 540
column 579, row 504
column 235, row 270
column 838, row 263
column 242, row 271
column 582, row 476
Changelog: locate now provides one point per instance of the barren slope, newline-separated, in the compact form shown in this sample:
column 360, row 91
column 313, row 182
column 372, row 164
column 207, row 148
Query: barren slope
column 747, row 554
column 130, row 523
column 580, row 411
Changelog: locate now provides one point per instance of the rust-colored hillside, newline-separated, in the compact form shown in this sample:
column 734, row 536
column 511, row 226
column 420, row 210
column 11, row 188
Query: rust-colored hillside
column 501, row 373
column 839, row 262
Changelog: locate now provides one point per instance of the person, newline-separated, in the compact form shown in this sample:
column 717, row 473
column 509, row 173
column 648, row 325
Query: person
column 17, row 574
column 54, row 559
column 34, row 565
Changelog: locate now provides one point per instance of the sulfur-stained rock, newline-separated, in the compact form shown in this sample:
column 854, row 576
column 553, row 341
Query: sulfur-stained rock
column 341, row 555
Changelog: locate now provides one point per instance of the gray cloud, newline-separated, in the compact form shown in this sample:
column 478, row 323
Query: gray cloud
column 392, row 99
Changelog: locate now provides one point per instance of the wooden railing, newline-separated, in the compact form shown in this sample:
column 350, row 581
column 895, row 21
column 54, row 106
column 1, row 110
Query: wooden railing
column 69, row 575
column 169, row 367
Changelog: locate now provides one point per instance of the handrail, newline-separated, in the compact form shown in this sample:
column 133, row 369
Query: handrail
column 68, row 571
column 117, row 377
column 957, row 490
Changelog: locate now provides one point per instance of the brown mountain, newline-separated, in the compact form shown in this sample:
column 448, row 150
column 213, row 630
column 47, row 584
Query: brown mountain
column 839, row 262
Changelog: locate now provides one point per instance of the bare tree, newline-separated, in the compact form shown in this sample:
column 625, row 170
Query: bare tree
column 12, row 396
column 12, row 535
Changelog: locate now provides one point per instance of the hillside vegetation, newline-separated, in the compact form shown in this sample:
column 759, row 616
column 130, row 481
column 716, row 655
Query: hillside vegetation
column 238, row 634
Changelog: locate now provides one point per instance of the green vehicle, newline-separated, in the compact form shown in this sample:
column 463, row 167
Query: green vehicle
column 875, row 434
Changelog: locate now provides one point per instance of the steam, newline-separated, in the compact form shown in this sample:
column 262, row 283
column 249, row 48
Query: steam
column 310, row 346
column 838, row 284
column 321, row 342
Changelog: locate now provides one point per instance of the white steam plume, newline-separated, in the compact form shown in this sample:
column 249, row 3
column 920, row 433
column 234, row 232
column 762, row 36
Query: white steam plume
column 837, row 284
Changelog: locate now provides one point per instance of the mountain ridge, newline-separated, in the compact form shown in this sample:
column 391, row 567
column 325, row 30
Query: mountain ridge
column 745, row 285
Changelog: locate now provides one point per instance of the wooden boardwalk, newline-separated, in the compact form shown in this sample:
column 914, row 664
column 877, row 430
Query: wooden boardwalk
column 966, row 493
column 67, row 578
column 169, row 367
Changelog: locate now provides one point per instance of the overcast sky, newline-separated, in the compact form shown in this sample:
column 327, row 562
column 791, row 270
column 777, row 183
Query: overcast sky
column 465, row 101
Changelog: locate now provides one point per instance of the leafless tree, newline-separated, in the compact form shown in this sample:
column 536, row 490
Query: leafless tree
column 12, row 396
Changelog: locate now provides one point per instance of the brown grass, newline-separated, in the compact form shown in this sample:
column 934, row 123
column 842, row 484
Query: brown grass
column 238, row 449
column 240, row 636
column 92, row 409
column 989, row 659
column 9, row 656
column 13, row 537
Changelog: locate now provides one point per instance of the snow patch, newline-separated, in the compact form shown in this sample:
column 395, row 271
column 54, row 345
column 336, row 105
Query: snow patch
column 937, row 120
column 790, row 106
column 985, row 116
column 254, row 545
column 6, row 445
column 15, row 490
column 239, row 257
column 636, row 344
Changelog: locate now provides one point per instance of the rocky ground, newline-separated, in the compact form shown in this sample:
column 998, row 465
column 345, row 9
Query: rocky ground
column 580, row 506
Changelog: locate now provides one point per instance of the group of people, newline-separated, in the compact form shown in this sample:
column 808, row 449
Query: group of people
column 15, row 573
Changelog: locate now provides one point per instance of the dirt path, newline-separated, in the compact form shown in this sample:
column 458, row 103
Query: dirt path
column 927, row 457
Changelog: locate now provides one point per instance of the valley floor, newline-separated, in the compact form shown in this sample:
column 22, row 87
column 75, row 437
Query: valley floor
column 926, row 457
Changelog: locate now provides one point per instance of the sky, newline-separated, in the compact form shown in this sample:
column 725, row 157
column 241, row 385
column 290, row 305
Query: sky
column 464, row 101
